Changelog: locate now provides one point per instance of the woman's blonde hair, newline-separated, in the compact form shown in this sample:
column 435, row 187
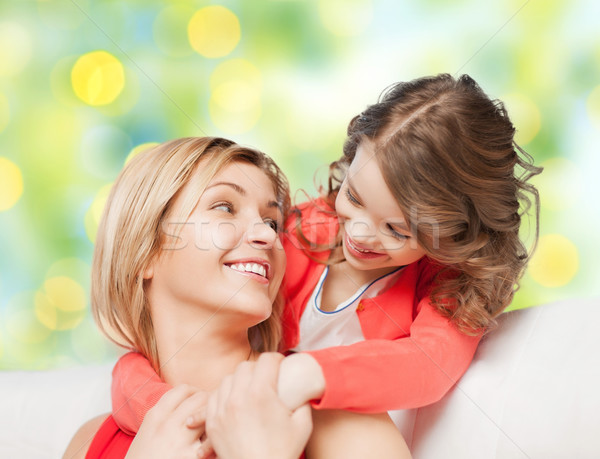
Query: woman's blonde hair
column 129, row 234
column 448, row 155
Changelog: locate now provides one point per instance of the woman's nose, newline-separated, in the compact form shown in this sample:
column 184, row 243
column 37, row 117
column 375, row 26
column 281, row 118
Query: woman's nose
column 260, row 234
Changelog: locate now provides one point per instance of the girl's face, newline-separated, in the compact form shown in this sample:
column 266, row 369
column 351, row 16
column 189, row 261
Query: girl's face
column 227, row 257
column 375, row 235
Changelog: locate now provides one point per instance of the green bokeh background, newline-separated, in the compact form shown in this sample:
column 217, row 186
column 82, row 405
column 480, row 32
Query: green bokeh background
column 299, row 72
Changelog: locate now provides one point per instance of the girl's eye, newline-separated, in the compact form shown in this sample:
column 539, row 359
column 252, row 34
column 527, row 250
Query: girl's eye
column 351, row 197
column 223, row 206
column 395, row 233
column 273, row 224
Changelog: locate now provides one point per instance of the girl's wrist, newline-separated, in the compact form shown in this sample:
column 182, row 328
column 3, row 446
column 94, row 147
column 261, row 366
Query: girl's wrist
column 301, row 379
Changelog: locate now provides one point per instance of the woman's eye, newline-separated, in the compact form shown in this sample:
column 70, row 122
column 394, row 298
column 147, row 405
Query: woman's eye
column 351, row 197
column 273, row 224
column 223, row 206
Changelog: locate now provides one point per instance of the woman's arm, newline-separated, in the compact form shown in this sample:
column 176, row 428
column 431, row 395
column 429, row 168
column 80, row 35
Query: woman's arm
column 82, row 439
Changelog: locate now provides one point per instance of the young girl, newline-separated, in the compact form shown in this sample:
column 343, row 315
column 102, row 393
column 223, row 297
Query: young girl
column 398, row 270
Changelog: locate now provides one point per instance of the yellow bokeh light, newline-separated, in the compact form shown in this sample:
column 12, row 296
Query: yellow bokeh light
column 525, row 116
column 11, row 184
column 214, row 31
column 4, row 112
column 15, row 49
column 235, row 104
column 560, row 185
column 140, row 148
column 65, row 293
column 346, row 17
column 98, row 78
column 61, row 304
column 593, row 106
column 94, row 213
column 555, row 262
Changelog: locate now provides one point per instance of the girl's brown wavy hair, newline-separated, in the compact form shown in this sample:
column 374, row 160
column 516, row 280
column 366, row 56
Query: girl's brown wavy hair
column 448, row 155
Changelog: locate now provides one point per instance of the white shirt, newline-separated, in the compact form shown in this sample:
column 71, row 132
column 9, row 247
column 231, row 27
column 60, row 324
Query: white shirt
column 320, row 329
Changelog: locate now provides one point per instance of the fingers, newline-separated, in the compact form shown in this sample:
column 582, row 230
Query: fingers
column 206, row 450
column 173, row 399
column 267, row 369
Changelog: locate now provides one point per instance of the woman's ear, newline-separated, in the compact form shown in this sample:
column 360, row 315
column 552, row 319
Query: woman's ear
column 149, row 271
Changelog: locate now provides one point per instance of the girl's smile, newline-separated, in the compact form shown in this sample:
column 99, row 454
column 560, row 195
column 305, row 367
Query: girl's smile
column 376, row 235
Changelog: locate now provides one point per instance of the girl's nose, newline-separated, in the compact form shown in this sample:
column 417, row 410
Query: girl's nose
column 361, row 230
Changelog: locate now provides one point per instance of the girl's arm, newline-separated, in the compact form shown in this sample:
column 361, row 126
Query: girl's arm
column 135, row 389
column 378, row 375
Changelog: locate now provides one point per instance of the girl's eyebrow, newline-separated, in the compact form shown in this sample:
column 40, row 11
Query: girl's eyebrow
column 241, row 191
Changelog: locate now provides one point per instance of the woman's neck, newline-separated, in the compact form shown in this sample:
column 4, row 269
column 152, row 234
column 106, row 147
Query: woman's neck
column 199, row 355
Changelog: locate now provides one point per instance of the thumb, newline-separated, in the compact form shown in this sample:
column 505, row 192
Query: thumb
column 302, row 421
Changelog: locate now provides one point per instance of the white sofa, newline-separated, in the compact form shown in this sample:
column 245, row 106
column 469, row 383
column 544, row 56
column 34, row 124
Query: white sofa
column 533, row 391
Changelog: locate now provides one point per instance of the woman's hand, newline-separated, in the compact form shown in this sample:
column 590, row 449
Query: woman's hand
column 173, row 427
column 246, row 419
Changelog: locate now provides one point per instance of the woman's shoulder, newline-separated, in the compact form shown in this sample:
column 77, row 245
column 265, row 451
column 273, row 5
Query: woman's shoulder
column 81, row 441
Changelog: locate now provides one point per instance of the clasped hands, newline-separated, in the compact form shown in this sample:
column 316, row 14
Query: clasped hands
column 260, row 410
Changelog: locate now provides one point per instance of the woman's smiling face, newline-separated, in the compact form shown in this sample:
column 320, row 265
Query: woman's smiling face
column 226, row 256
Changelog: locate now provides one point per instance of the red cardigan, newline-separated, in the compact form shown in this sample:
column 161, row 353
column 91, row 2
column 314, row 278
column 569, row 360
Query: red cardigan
column 411, row 355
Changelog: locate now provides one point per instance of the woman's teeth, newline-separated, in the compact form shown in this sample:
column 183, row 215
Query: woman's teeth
column 250, row 267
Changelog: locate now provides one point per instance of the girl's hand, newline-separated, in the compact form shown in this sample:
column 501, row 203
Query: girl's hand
column 173, row 427
column 300, row 380
column 247, row 420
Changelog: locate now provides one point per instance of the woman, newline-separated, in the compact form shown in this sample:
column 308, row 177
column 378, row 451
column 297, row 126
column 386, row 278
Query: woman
column 186, row 271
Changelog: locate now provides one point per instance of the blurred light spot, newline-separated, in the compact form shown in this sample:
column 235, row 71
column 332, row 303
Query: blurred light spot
column 94, row 213
column 4, row 112
column 73, row 268
column 214, row 31
column 65, row 293
column 560, row 184
column 103, row 149
column 170, row 30
column 235, row 105
column 15, row 49
column 11, row 184
column 524, row 115
column 98, row 78
column 346, row 17
column 61, row 304
column 140, row 148
column 21, row 322
column 593, row 106
column 555, row 261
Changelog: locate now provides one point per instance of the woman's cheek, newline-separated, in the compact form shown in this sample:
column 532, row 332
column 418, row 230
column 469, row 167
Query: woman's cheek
column 225, row 236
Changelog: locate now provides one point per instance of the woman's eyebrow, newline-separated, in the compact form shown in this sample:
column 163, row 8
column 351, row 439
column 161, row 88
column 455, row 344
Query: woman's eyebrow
column 235, row 186
column 241, row 191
